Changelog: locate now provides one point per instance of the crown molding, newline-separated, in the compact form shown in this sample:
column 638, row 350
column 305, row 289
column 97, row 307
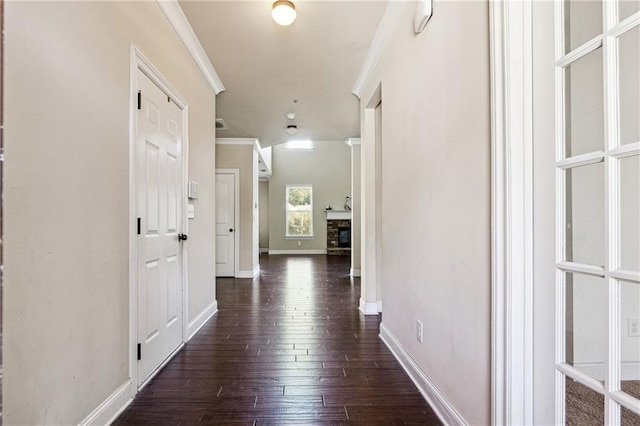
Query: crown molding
column 352, row 141
column 178, row 20
column 240, row 141
column 387, row 24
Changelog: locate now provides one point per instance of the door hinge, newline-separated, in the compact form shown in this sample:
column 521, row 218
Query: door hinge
column 139, row 225
column 139, row 99
column 139, row 351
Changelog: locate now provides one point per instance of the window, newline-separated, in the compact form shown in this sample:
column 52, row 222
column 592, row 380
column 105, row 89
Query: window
column 306, row 145
column 299, row 207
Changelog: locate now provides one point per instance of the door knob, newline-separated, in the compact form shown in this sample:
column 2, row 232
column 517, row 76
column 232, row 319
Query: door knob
column 230, row 229
column 182, row 237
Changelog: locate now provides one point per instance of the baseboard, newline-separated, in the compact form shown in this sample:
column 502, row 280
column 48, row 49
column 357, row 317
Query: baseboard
column 248, row 274
column 111, row 408
column 354, row 272
column 297, row 252
column 629, row 370
column 264, row 250
column 202, row 318
column 443, row 408
column 368, row 308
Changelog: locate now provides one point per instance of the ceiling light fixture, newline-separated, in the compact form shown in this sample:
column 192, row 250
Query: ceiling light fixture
column 292, row 129
column 284, row 12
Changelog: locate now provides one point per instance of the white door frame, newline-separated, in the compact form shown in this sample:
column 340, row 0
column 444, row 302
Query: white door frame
column 512, row 212
column 236, row 218
column 140, row 62
column 370, row 300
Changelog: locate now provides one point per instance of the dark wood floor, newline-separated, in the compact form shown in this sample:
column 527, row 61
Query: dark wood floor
column 289, row 347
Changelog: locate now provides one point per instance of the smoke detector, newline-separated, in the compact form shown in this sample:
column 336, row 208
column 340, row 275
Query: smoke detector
column 291, row 115
column 292, row 129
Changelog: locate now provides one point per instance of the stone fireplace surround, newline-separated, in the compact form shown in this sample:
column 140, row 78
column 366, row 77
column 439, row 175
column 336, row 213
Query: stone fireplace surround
column 333, row 226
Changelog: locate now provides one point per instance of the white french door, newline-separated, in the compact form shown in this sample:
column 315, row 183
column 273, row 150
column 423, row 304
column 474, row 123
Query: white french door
column 159, row 211
column 597, row 71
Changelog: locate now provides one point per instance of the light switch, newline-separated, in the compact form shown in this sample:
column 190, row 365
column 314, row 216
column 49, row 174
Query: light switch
column 191, row 211
column 193, row 190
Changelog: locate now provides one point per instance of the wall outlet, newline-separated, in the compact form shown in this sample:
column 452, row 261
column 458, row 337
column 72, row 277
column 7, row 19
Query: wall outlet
column 633, row 327
column 299, row 243
column 419, row 330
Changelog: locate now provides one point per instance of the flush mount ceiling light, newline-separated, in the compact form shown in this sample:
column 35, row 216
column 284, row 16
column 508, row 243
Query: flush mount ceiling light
column 292, row 129
column 284, row 12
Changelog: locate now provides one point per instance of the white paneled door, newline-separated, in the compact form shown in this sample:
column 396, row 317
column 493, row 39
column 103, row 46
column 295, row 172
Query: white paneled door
column 159, row 251
column 225, row 224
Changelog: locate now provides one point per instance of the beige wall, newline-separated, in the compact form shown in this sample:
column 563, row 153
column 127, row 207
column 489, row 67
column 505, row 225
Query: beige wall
column 263, row 202
column 66, row 205
column 436, row 197
column 328, row 169
column 244, row 158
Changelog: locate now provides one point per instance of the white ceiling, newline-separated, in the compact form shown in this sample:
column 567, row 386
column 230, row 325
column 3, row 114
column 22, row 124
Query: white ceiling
column 266, row 68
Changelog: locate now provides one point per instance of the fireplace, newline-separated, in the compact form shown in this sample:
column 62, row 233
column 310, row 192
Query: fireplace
column 344, row 236
column 339, row 237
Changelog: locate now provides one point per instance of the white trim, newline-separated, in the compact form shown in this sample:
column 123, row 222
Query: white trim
column 110, row 408
column 244, row 274
column 385, row 29
column 511, row 213
column 297, row 251
column 379, row 306
column 240, row 141
column 202, row 318
column 353, row 141
column 624, row 275
column 140, row 62
column 264, row 250
column 176, row 17
column 581, row 268
column 581, row 160
column 338, row 214
column 435, row 398
column 249, row 274
column 368, row 308
column 355, row 272
column 236, row 218
column 629, row 370
column 624, row 151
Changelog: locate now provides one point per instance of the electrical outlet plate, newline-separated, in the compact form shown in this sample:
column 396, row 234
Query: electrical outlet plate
column 419, row 330
column 633, row 327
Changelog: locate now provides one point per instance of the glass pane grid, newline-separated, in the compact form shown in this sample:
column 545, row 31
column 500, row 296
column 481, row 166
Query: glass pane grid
column 628, row 86
column 597, row 79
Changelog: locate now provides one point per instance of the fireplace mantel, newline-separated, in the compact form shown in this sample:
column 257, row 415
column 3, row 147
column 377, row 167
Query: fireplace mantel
column 338, row 214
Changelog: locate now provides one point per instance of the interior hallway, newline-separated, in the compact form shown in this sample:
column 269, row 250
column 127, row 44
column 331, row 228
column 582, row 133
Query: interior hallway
column 288, row 347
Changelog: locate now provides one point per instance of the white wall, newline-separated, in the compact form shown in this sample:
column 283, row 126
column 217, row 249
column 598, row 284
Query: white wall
column 328, row 169
column 66, row 198
column 436, row 197
column 245, row 158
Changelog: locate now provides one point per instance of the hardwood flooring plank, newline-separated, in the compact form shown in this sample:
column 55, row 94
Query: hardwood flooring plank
column 290, row 347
